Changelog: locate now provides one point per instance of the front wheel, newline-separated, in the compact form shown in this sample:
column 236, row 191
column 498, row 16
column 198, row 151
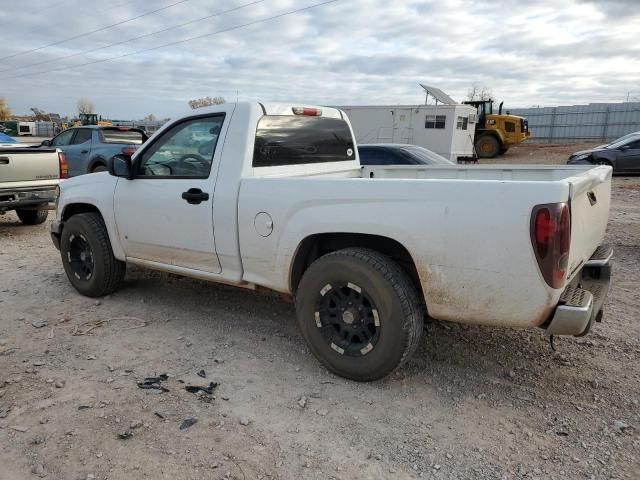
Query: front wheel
column 32, row 217
column 87, row 256
column 601, row 161
column 487, row 146
column 359, row 313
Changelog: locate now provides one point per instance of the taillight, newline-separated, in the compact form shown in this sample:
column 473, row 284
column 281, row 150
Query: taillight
column 129, row 151
column 64, row 168
column 312, row 112
column 551, row 238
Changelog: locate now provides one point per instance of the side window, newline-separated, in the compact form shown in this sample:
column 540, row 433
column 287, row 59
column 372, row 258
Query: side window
column 83, row 135
column 374, row 156
column 63, row 139
column 435, row 121
column 366, row 156
column 634, row 145
column 462, row 123
column 185, row 150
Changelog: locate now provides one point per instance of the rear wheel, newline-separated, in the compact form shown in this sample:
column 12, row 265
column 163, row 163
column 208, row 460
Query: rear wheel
column 32, row 217
column 99, row 168
column 359, row 313
column 487, row 146
column 87, row 256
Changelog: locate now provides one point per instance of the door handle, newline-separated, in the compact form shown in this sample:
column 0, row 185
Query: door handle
column 84, row 151
column 194, row 196
column 4, row 160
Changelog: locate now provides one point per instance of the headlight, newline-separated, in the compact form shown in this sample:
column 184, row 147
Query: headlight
column 584, row 156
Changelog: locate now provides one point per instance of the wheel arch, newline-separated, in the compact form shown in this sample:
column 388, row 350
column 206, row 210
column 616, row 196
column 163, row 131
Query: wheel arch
column 316, row 245
column 95, row 161
column 497, row 134
column 77, row 208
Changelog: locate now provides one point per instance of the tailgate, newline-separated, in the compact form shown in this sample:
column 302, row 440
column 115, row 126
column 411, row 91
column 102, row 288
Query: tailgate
column 589, row 199
column 21, row 165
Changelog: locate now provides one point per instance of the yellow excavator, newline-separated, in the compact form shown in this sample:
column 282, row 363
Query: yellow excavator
column 495, row 134
column 87, row 119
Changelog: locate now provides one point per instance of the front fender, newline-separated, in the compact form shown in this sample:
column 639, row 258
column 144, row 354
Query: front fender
column 91, row 192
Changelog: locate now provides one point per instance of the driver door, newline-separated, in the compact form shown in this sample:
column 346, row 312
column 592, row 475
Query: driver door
column 165, row 214
column 629, row 158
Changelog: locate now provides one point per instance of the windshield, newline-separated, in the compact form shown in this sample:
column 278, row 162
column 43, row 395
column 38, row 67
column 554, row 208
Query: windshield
column 426, row 156
column 623, row 140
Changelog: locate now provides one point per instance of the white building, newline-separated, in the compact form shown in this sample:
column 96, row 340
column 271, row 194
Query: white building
column 447, row 129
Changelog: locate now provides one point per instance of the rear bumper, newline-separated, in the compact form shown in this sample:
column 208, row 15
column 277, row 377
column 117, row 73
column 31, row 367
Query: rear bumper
column 10, row 200
column 583, row 300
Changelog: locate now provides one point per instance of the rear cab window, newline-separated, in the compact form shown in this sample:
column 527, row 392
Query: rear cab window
column 283, row 140
column 131, row 137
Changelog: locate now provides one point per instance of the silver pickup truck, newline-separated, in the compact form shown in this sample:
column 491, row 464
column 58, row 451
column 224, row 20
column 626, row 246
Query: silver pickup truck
column 29, row 180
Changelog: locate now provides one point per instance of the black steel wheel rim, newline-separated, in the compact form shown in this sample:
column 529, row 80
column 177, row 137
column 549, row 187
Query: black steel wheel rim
column 80, row 257
column 347, row 318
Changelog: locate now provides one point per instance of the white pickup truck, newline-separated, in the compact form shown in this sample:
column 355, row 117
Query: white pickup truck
column 273, row 195
column 28, row 181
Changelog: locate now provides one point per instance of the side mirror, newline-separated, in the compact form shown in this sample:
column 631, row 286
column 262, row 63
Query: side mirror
column 46, row 143
column 120, row 166
column 624, row 147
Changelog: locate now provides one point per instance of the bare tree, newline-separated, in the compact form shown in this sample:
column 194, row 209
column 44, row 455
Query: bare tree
column 5, row 111
column 85, row 106
column 479, row 93
column 150, row 118
column 205, row 102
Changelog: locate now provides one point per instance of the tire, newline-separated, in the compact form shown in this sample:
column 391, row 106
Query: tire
column 32, row 217
column 87, row 256
column 99, row 168
column 602, row 161
column 388, row 298
column 487, row 146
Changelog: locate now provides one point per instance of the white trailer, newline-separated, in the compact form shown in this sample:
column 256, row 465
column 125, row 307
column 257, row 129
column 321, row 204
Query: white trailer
column 27, row 128
column 448, row 130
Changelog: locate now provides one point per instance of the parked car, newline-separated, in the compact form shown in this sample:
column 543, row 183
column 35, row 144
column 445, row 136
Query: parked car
column 399, row 154
column 622, row 154
column 6, row 140
column 274, row 195
column 28, row 182
column 88, row 148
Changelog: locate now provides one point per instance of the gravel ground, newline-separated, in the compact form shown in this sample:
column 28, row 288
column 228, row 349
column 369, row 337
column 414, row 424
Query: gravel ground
column 473, row 403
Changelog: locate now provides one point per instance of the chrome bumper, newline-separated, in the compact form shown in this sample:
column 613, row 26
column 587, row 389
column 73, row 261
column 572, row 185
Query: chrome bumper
column 27, row 199
column 582, row 301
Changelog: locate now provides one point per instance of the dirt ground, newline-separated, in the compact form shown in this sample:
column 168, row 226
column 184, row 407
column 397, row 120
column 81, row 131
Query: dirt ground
column 473, row 403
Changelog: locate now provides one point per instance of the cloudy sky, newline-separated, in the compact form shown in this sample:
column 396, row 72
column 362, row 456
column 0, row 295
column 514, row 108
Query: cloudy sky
column 547, row 52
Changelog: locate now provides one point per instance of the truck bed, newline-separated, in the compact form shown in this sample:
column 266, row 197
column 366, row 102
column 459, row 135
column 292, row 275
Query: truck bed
column 468, row 228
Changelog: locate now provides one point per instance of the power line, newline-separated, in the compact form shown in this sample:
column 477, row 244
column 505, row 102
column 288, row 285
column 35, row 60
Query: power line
column 94, row 31
column 64, row 57
column 157, row 47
